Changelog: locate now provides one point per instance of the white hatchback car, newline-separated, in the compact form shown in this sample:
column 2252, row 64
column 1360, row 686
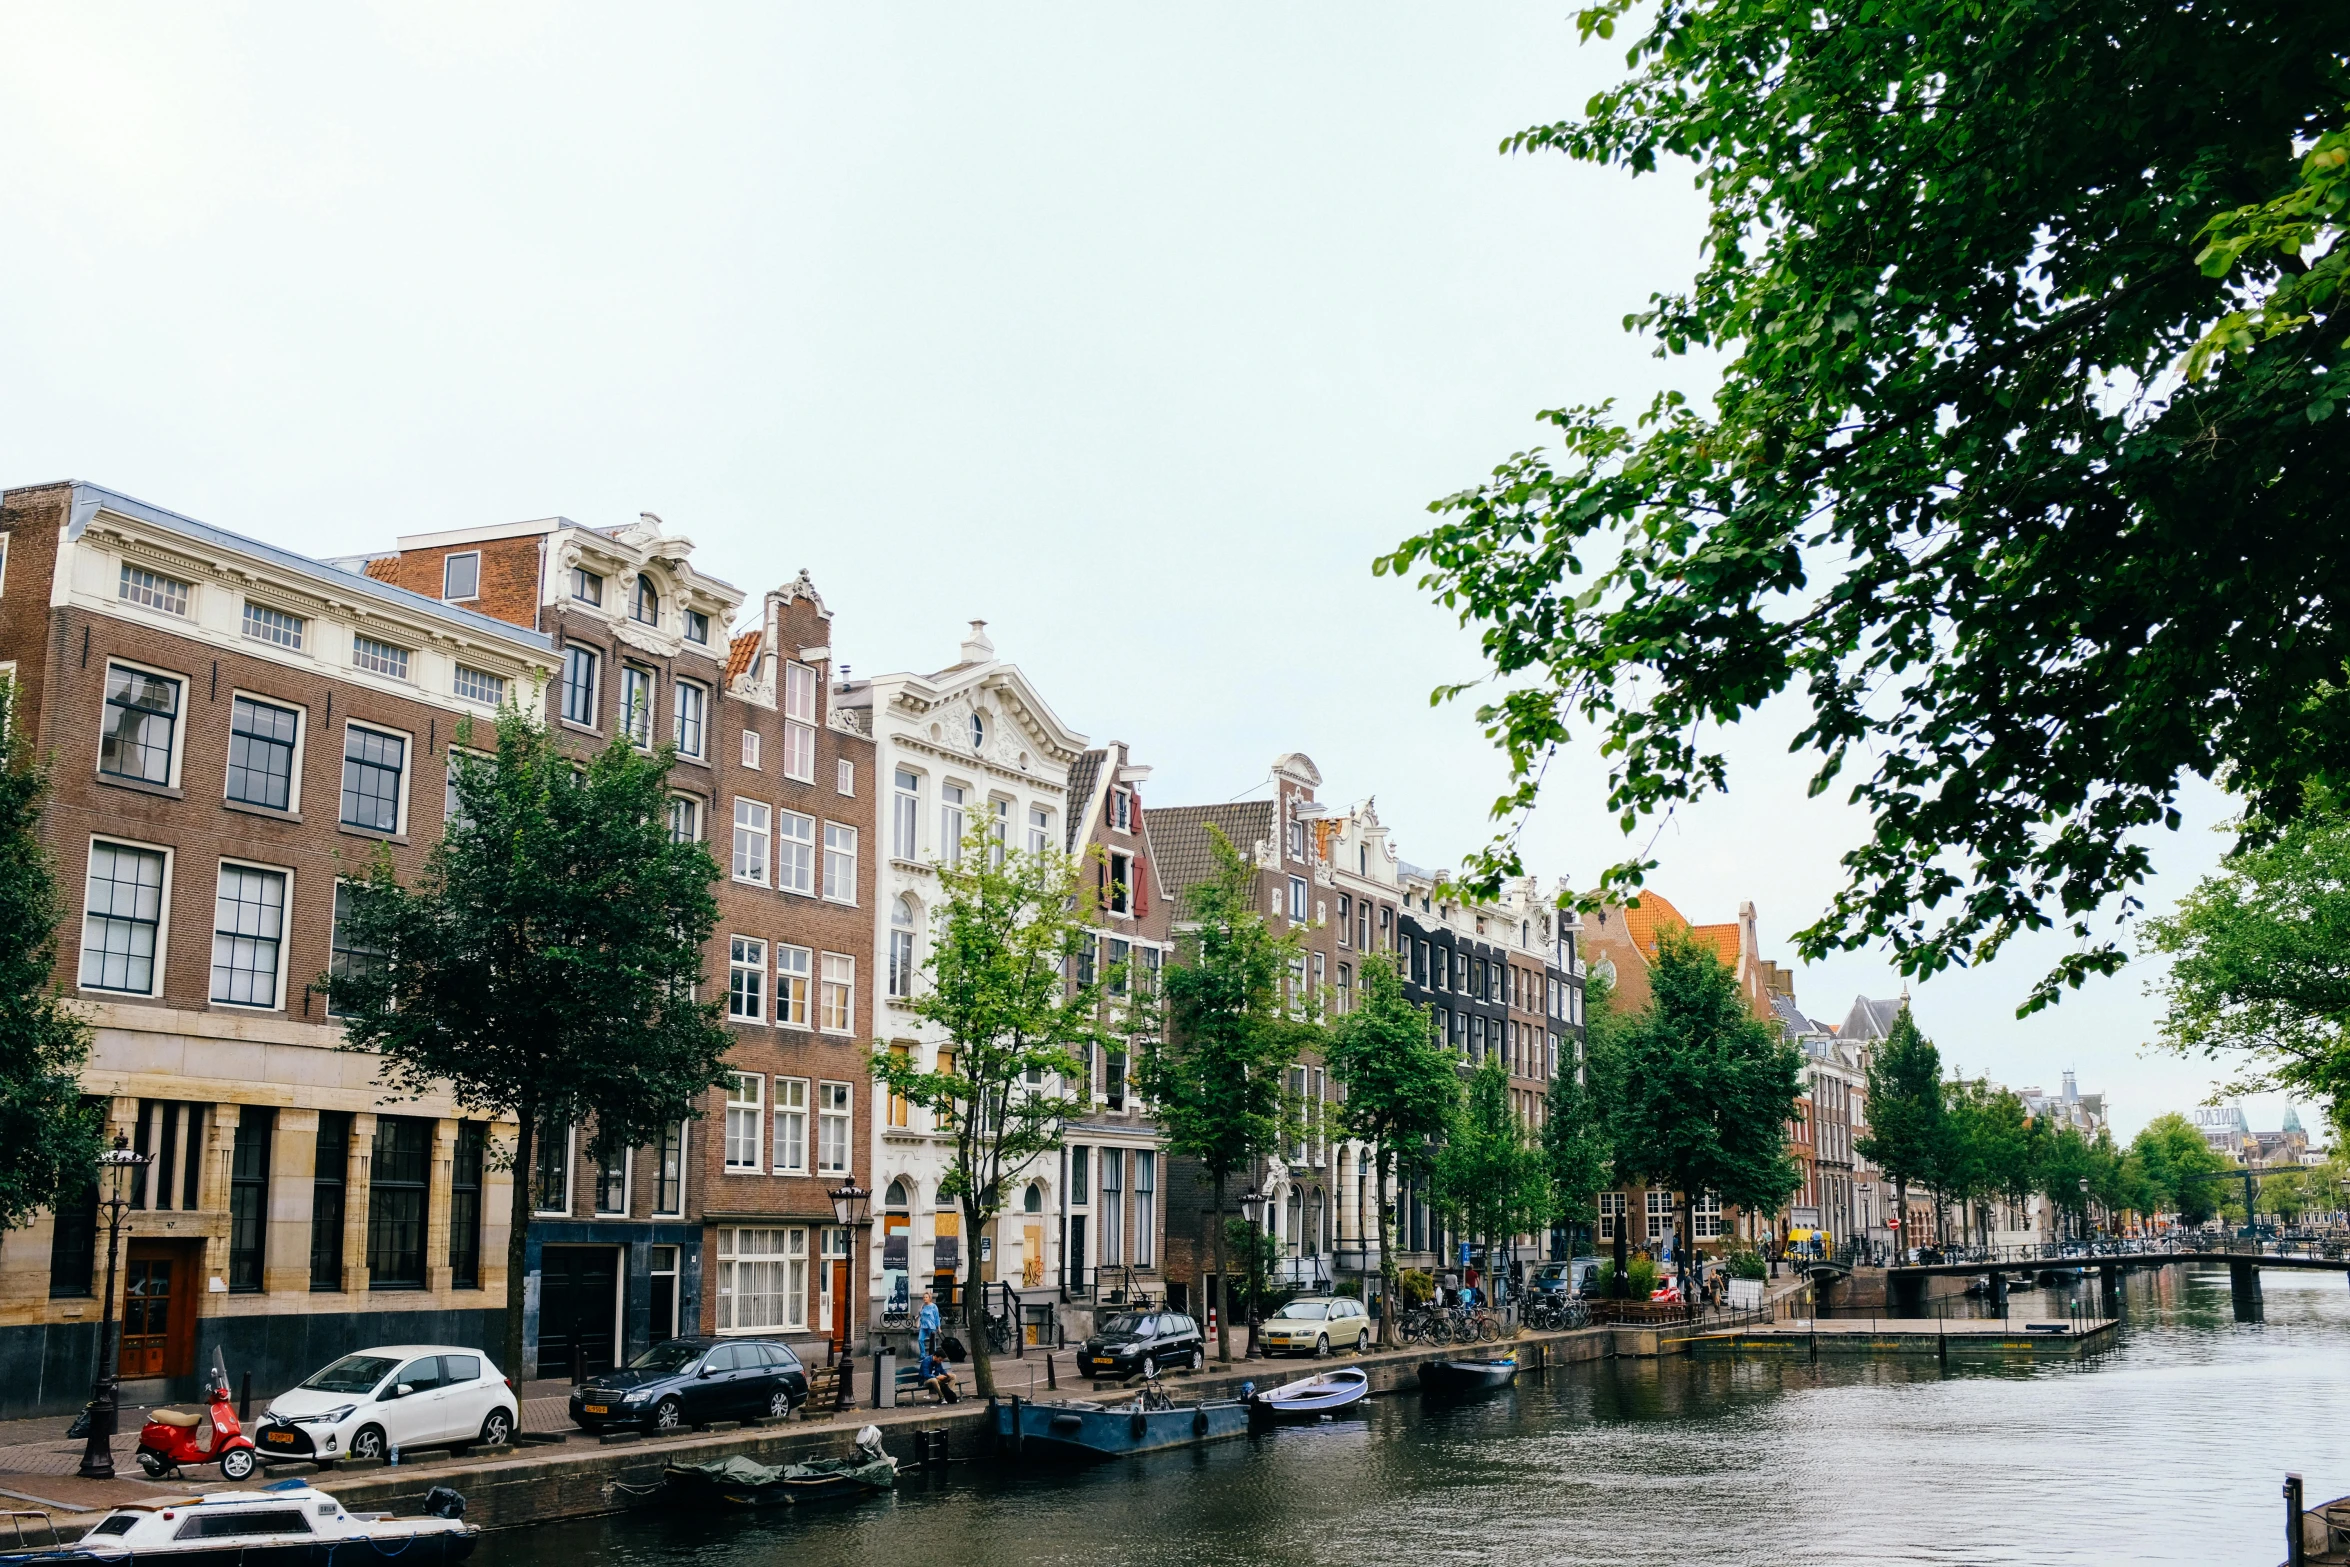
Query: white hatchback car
column 403, row 1395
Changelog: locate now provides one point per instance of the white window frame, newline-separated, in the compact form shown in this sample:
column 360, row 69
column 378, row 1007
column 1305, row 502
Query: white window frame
column 898, row 971
column 843, row 989
column 751, row 749
column 753, row 820
column 1121, row 880
column 570, row 1173
column 699, row 700
column 593, row 661
column 162, row 916
column 447, row 562
column 284, row 938
column 951, row 821
column 1121, row 810
column 149, row 594
column 791, row 1111
column 844, row 778
column 179, row 725
column 254, row 613
column 746, row 1106
column 637, row 722
column 795, row 852
column 1297, row 898
column 364, row 647
column 685, row 1164
column 1040, row 829
column 795, row 984
column 691, row 807
column 1611, row 1213
column 840, row 851
column 457, row 684
column 836, row 1117
column 905, row 818
column 789, row 1259
column 746, row 979
column 596, row 1208
column 399, row 827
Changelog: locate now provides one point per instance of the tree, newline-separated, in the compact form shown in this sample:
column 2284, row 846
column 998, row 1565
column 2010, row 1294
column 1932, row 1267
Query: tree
column 1216, row 1078
column 1985, row 1147
column 1705, row 1090
column 2257, row 968
column 543, row 967
column 1491, row 1177
column 1005, row 940
column 2068, row 1161
column 1401, row 1088
column 1952, row 489
column 2176, row 1157
column 49, row 1139
column 1905, row 1112
column 1580, row 1158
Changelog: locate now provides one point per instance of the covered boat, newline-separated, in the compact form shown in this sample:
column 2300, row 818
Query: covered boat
column 1075, row 1429
column 1467, row 1376
column 284, row 1525
column 1308, row 1398
column 745, row 1482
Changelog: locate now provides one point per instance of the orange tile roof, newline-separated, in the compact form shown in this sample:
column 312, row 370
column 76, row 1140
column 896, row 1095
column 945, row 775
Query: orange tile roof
column 739, row 654
column 383, row 568
column 1723, row 939
column 1654, row 916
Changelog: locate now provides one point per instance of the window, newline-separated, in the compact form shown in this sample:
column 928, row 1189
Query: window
column 978, row 731
column 901, row 1112
column 844, row 778
column 1346, row 920
column 326, row 1199
column 1419, row 951
column 465, row 1205
column 1121, row 958
column 840, row 863
column 1611, row 1214
column 697, row 627
column 1080, row 1168
column 795, row 852
column 791, row 1126
column 751, row 748
column 669, row 1171
column 379, row 658
column 1113, row 1202
column 587, row 587
column 1660, row 1215
column 685, row 819
column 791, row 986
column 832, row 1128
column 762, row 1280
column 840, row 993
column 636, row 704
column 1705, row 1218
column 799, row 728
column 645, row 607
column 744, row 1106
column 690, row 704
column 1121, row 883
column 248, row 924
column 1346, row 990
column 479, row 685
column 950, row 823
column 373, row 762
column 999, row 831
column 1121, row 810
column 273, row 626
column 142, row 724
column 461, row 576
column 152, row 589
column 396, row 1202
column 551, row 1169
column 579, row 686
column 900, row 976
column 612, row 1183
column 1040, row 829
column 746, row 979
column 905, row 816
column 122, row 918
column 1146, row 1195
column 261, row 740
column 750, row 842
column 248, row 1198
column 1297, row 897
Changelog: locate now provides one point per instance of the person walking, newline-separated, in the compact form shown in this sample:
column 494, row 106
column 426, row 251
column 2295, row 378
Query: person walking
column 926, row 1326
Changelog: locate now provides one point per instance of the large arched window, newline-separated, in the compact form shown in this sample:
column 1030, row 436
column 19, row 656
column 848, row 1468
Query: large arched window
column 646, row 606
column 1032, row 1201
column 904, row 916
column 896, row 1199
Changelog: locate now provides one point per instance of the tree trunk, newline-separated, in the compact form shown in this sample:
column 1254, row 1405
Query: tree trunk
column 1390, row 1294
column 975, row 1302
column 518, row 1241
column 1688, row 1241
column 1901, row 1240
column 1223, row 1306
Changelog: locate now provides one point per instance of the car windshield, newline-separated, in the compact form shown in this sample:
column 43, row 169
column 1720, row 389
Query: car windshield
column 1312, row 1310
column 352, row 1374
column 1126, row 1325
column 1556, row 1270
column 671, row 1356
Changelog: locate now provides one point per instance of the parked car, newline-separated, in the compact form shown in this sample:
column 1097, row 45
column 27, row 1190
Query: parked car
column 1317, row 1324
column 1143, row 1343
column 683, row 1381
column 400, row 1395
column 1579, row 1277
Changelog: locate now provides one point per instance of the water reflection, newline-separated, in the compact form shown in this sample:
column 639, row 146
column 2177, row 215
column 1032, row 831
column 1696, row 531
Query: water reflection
column 2168, row 1447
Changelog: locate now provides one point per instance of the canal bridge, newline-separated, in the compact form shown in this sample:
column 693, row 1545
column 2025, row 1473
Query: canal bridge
column 1905, row 1283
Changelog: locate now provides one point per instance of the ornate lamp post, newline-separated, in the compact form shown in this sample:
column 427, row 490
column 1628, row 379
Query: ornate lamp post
column 116, row 1167
column 1250, row 1201
column 850, row 1203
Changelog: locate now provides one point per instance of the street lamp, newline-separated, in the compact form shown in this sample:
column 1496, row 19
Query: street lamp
column 1250, row 1201
column 2084, row 1210
column 116, row 1167
column 850, row 1203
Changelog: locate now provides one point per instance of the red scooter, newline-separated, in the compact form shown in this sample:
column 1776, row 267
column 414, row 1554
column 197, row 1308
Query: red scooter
column 168, row 1439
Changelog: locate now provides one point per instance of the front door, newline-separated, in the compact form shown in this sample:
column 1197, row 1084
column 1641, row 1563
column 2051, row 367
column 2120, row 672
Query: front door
column 663, row 1294
column 159, row 1310
column 1032, row 1257
column 579, row 1301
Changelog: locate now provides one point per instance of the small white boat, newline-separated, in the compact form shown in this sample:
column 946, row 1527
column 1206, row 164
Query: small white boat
column 285, row 1525
column 1326, row 1393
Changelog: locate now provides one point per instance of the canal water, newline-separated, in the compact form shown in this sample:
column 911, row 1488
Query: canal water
column 2170, row 1446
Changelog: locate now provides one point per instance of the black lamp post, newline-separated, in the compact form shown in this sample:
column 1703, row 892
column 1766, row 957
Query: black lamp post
column 2084, row 1210
column 1250, row 1201
column 850, row 1203
column 116, row 1166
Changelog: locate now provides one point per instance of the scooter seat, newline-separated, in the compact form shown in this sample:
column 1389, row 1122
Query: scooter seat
column 174, row 1417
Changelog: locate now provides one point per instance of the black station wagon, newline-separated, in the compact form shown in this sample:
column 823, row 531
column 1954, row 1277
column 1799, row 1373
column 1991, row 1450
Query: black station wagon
column 1143, row 1343
column 683, row 1381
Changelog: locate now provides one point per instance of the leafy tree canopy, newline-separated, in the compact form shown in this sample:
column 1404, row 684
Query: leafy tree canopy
column 2025, row 468
column 1491, row 1177
column 1576, row 1146
column 1904, row 1132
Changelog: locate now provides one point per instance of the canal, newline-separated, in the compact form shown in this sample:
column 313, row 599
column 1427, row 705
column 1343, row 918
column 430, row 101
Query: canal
column 2168, row 1447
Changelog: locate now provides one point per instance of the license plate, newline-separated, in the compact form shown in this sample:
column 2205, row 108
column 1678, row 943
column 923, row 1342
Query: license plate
column 1105, row 1365
column 281, row 1438
column 598, row 1409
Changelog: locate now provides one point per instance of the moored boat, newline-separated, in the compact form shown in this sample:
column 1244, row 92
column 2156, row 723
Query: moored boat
column 285, row 1525
column 1080, row 1430
column 1328, row 1393
column 745, row 1482
column 1467, row 1376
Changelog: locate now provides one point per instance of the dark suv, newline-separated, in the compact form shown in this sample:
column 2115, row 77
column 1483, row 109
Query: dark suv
column 1143, row 1343
column 686, row 1381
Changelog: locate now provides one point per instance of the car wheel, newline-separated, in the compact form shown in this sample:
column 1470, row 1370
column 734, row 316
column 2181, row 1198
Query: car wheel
column 237, row 1464
column 779, row 1403
column 668, row 1415
column 497, row 1428
column 1150, row 1368
column 368, row 1442
column 1322, row 1347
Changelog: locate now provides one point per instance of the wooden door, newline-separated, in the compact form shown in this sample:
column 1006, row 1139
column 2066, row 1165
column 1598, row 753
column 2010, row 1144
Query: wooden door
column 159, row 1310
column 1032, row 1257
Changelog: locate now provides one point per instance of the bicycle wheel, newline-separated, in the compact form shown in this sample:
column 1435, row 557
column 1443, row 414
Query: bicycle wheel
column 1488, row 1328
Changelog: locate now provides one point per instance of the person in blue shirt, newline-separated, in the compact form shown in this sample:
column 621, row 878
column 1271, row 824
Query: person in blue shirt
column 927, row 1325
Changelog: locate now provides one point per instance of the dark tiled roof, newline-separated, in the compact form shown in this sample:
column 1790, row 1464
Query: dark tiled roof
column 1870, row 1019
column 1186, row 855
column 1082, row 778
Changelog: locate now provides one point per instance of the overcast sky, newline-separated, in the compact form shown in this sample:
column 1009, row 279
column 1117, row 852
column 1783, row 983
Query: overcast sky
column 1135, row 333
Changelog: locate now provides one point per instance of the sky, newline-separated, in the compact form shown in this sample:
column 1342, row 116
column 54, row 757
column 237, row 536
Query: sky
column 1136, row 332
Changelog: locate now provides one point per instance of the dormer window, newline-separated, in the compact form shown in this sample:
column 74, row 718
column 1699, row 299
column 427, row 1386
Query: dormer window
column 646, row 606
column 587, row 587
column 697, row 627
column 1121, row 810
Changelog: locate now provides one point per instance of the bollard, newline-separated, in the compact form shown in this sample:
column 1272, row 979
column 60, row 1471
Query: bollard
column 245, row 1398
column 1051, row 1377
column 1016, row 1431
